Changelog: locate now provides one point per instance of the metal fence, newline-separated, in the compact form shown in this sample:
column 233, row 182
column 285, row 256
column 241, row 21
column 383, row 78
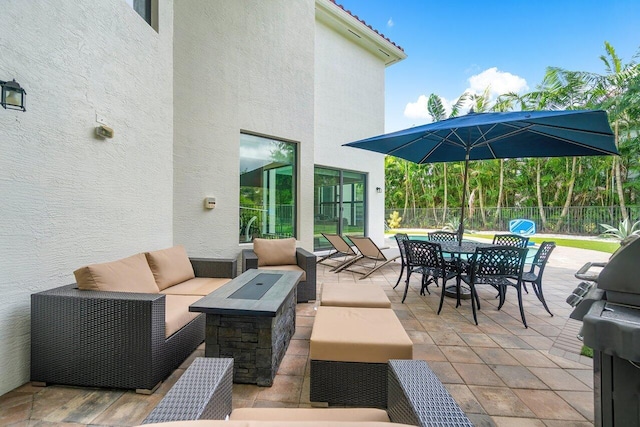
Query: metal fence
column 579, row 220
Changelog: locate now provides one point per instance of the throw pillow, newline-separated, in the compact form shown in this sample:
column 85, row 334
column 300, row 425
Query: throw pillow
column 130, row 274
column 275, row 251
column 170, row 266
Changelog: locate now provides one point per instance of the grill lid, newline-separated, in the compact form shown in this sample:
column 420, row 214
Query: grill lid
column 621, row 276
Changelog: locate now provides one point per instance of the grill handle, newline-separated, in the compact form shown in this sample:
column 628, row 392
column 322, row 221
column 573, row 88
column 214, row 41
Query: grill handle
column 582, row 273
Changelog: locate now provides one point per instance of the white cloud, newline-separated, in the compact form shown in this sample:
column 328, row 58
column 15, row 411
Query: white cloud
column 499, row 82
column 418, row 109
column 390, row 22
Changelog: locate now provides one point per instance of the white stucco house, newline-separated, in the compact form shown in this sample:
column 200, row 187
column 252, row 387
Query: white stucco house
column 244, row 101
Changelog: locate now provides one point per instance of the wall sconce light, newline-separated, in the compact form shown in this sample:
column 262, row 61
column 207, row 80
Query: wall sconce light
column 378, row 190
column 12, row 95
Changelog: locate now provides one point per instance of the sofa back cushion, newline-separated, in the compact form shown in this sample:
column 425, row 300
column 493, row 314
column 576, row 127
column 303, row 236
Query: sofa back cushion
column 130, row 274
column 275, row 251
column 170, row 266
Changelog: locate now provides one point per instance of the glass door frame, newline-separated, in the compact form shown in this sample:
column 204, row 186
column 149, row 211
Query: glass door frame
column 339, row 200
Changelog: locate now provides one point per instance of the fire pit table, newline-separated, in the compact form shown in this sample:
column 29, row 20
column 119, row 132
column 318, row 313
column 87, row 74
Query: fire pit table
column 252, row 319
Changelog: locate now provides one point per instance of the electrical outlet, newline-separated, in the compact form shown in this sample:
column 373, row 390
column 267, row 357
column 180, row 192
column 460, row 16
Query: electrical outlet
column 101, row 119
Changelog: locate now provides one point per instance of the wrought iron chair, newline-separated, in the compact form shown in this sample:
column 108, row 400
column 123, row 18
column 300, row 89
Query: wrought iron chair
column 442, row 236
column 426, row 258
column 535, row 278
column 514, row 240
column 400, row 239
column 498, row 266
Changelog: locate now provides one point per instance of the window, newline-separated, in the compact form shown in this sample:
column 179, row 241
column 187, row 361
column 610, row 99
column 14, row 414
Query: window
column 268, row 170
column 147, row 9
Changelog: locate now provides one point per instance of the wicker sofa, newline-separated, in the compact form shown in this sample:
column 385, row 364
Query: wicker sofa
column 124, row 324
column 282, row 254
column 204, row 394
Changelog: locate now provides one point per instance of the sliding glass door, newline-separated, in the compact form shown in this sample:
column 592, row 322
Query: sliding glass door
column 339, row 204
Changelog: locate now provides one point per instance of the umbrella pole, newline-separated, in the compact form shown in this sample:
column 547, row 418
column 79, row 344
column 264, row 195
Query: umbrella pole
column 464, row 196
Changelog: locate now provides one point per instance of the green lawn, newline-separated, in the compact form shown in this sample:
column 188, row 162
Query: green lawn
column 595, row 245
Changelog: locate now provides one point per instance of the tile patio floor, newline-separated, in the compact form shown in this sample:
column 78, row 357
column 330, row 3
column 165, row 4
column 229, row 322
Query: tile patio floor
column 500, row 373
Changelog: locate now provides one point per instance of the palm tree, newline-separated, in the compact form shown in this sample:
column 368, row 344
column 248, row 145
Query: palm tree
column 613, row 91
column 436, row 110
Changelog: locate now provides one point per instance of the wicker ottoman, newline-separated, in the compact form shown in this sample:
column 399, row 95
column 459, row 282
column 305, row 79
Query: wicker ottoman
column 349, row 351
column 354, row 295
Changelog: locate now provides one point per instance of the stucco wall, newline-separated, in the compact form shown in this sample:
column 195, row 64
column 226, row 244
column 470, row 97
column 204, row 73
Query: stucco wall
column 239, row 66
column 349, row 105
column 69, row 199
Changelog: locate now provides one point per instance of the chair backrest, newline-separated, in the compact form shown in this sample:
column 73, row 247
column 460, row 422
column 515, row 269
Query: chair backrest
column 511, row 240
column 423, row 253
column 339, row 244
column 368, row 248
column 542, row 256
column 442, row 236
column 400, row 239
column 506, row 261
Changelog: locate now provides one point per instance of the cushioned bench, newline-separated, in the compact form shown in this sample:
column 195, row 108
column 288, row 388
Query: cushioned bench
column 202, row 398
column 354, row 295
column 349, row 351
column 264, row 423
column 310, row 414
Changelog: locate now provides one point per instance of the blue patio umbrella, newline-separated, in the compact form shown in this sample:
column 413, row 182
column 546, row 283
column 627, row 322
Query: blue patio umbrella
column 481, row 136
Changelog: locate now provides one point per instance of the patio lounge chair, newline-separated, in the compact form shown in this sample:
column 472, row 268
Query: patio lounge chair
column 340, row 254
column 372, row 257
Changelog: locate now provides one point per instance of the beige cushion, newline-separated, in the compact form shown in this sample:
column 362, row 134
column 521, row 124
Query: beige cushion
column 275, row 251
column 354, row 295
column 310, row 414
column 130, row 274
column 170, row 266
column 176, row 312
column 287, row 268
column 354, row 334
column 223, row 423
column 197, row 286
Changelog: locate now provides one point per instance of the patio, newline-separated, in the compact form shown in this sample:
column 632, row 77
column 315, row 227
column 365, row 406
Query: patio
column 499, row 372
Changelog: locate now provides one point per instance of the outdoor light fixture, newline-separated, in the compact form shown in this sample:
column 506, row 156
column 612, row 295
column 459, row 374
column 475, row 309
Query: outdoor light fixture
column 378, row 190
column 12, row 96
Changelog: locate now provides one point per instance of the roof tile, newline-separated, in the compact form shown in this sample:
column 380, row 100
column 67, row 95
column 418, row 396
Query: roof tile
column 367, row 25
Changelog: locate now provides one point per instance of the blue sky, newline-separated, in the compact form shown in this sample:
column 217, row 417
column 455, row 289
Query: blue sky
column 453, row 46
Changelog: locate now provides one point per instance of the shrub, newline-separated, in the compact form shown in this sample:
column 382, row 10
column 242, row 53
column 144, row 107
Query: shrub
column 624, row 230
column 394, row 220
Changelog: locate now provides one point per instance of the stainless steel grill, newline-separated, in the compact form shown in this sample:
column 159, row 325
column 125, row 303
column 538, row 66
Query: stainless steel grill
column 607, row 301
